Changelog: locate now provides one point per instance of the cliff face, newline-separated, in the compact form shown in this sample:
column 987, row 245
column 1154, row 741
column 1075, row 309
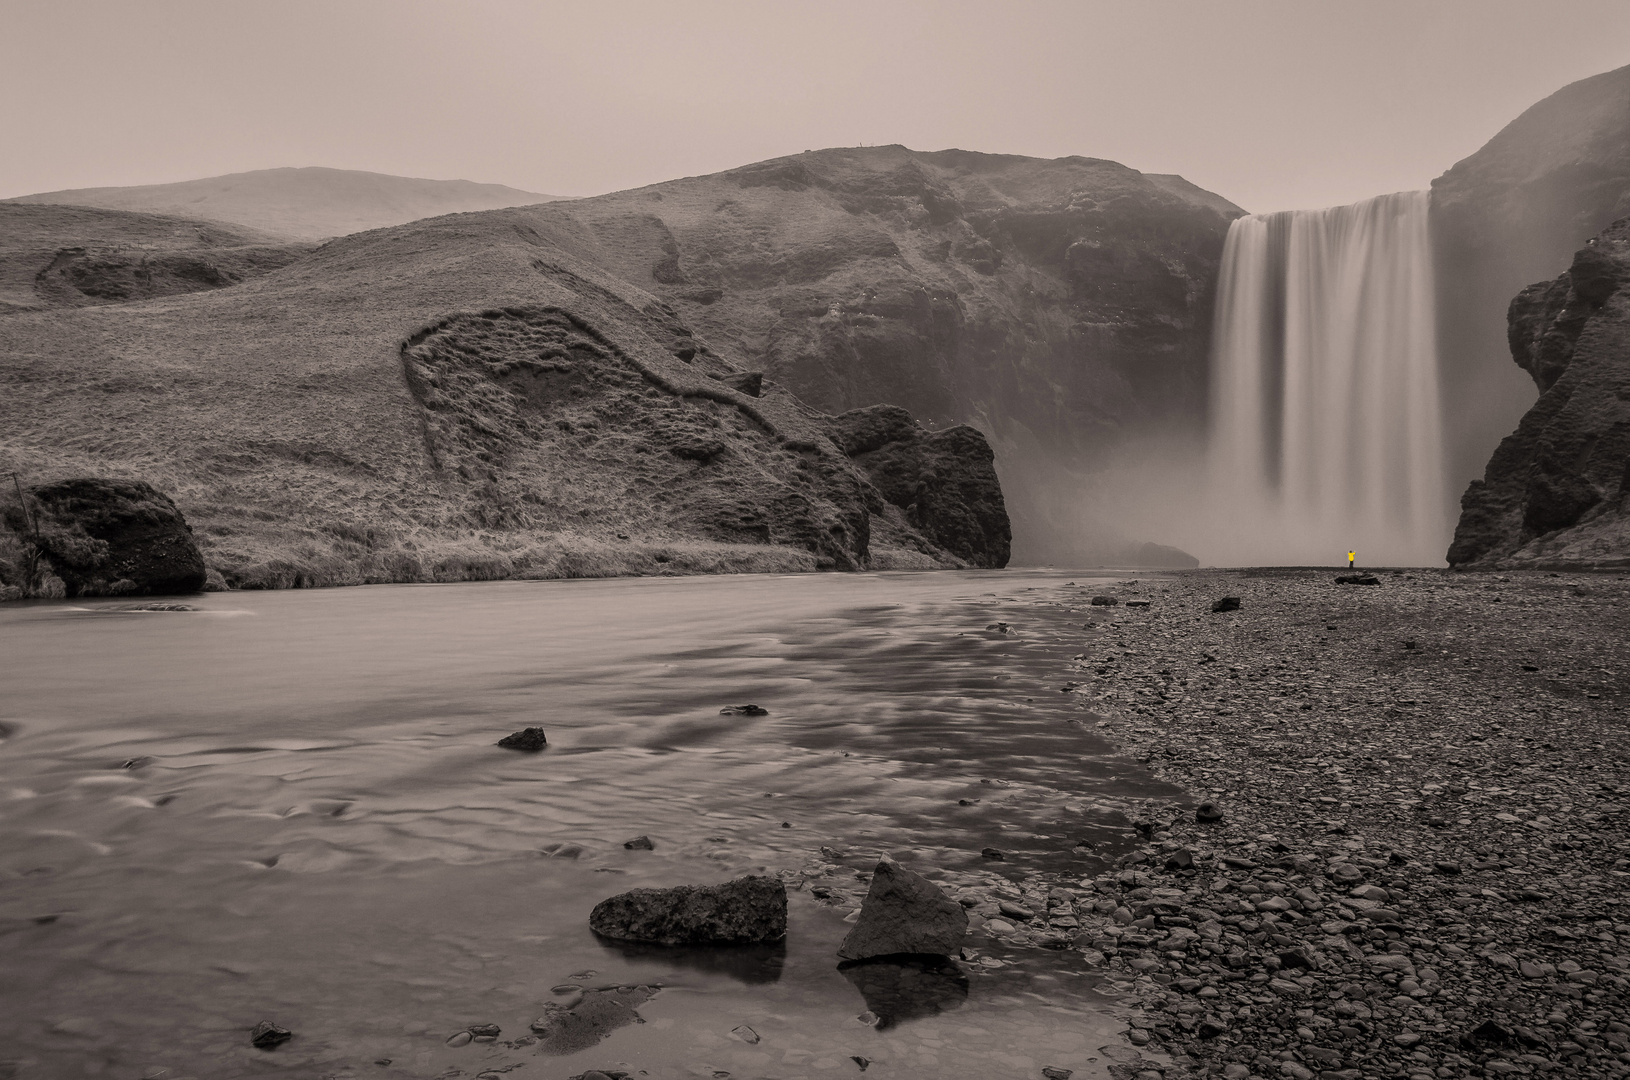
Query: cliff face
column 1062, row 307
column 1557, row 491
column 1512, row 213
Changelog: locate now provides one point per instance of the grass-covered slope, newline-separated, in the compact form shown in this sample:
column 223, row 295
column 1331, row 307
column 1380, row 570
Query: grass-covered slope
column 300, row 204
column 454, row 398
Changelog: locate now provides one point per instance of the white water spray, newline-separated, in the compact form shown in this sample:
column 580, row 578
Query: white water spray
column 1326, row 434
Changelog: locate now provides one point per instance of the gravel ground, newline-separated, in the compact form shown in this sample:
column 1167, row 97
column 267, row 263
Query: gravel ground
column 1420, row 869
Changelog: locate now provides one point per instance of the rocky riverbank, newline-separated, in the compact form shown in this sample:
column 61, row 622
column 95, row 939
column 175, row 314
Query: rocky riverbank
column 1420, row 867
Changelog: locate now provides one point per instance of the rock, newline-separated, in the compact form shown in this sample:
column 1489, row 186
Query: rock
column 904, row 912
column 1208, row 813
column 1553, row 494
column 530, row 740
column 567, row 1030
column 1295, row 958
column 1210, row 1029
column 1015, row 911
column 1227, row 603
column 750, row 383
column 748, row 909
column 1104, row 601
column 743, row 710
column 268, row 1036
column 460, row 1038
column 1139, row 604
column 111, row 538
column 1447, row 868
column 485, row 1032
column 992, row 853
column 1358, row 579
column 1182, row 859
column 639, row 843
column 1513, row 213
column 944, row 481
column 745, row 1034
column 1053, row 1072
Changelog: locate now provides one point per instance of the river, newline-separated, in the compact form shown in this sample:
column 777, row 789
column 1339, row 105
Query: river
column 288, row 806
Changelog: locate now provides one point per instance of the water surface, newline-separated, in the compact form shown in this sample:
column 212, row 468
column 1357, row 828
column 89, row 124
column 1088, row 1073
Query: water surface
column 288, row 806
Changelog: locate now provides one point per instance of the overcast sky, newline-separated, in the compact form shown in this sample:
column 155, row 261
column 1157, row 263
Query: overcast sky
column 1275, row 105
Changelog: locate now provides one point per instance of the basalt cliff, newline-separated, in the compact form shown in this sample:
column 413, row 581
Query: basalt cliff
column 1556, row 494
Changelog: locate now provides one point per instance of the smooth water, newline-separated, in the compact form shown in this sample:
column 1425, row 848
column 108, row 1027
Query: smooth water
column 1326, row 432
column 288, row 806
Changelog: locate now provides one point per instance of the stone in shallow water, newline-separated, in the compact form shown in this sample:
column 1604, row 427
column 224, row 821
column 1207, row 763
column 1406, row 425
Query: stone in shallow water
column 904, row 912
column 748, row 909
column 743, row 710
column 529, row 739
column 639, row 843
column 562, row 1030
column 268, row 1035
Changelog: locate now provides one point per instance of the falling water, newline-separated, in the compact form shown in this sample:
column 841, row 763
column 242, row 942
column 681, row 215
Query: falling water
column 1325, row 430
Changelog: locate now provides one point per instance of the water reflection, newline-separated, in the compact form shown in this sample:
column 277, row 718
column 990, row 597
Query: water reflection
column 751, row 965
column 907, row 987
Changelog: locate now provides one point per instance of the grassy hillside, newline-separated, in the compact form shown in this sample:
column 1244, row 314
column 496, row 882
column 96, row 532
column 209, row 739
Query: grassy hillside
column 55, row 256
column 300, row 204
column 280, row 415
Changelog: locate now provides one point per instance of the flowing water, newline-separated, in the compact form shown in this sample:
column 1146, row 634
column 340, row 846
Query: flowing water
column 1326, row 434
column 288, row 806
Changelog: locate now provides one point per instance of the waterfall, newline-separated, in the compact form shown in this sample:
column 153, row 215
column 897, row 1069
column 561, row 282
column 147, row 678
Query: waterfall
column 1325, row 432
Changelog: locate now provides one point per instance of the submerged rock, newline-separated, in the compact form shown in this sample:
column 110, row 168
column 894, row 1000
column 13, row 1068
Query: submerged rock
column 904, row 912
column 743, row 710
column 566, row 1030
column 746, row 910
column 268, row 1036
column 531, row 740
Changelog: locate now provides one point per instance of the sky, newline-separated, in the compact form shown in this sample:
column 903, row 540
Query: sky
column 1274, row 105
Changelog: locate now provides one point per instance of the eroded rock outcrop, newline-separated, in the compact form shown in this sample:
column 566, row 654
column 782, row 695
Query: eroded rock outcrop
column 1555, row 492
column 944, row 481
column 1512, row 213
column 112, row 538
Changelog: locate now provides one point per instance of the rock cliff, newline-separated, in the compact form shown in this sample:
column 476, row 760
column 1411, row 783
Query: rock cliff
column 1063, row 307
column 1557, row 491
column 1512, row 213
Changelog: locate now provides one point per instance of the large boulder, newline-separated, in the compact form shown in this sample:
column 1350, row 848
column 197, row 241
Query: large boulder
column 745, row 911
column 1553, row 494
column 904, row 912
column 944, row 481
column 115, row 538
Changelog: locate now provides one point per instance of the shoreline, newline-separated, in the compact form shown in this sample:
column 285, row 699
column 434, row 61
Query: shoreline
column 1421, row 865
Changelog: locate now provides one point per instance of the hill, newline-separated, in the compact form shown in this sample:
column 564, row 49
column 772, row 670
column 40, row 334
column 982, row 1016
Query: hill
column 300, row 204
column 55, row 256
column 462, row 397
column 1062, row 306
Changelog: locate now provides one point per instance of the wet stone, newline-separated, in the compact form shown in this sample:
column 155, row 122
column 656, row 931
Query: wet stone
column 743, row 710
column 267, row 1035
column 639, row 843
column 529, row 740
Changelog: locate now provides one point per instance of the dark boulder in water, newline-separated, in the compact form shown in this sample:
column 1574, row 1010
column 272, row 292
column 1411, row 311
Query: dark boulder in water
column 904, row 912
column 531, row 740
column 743, row 710
column 746, row 910
column 268, row 1036
column 112, row 538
